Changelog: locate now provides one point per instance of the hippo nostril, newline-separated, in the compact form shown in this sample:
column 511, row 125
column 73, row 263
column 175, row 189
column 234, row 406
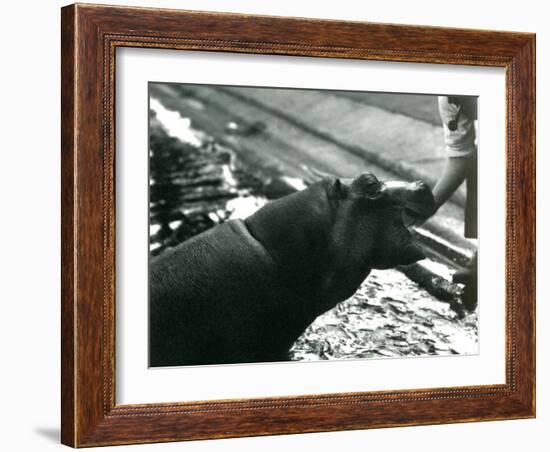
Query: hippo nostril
column 420, row 184
column 420, row 190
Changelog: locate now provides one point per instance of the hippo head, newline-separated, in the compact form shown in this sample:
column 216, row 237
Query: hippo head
column 369, row 219
column 367, row 230
column 333, row 233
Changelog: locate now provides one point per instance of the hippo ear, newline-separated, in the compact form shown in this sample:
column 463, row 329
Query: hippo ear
column 367, row 185
column 411, row 254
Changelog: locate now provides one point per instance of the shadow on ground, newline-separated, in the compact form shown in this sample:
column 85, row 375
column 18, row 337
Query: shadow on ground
column 50, row 433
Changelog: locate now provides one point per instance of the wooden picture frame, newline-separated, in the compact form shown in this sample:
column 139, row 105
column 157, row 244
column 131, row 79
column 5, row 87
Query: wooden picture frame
column 90, row 36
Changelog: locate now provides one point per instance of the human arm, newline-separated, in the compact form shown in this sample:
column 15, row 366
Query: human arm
column 458, row 120
column 453, row 174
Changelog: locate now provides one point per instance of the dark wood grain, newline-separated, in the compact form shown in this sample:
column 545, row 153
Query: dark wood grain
column 67, row 226
column 90, row 36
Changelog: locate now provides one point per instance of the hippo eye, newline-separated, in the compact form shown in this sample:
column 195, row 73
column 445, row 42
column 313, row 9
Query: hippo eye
column 367, row 185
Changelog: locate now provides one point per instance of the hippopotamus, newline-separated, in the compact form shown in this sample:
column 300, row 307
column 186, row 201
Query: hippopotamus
column 245, row 290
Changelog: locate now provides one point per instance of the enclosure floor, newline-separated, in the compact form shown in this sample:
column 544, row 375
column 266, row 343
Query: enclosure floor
column 389, row 316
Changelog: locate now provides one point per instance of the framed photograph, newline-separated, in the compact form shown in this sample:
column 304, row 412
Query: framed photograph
column 282, row 225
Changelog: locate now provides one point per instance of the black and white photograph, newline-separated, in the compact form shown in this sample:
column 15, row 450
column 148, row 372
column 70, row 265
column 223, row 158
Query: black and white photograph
column 304, row 225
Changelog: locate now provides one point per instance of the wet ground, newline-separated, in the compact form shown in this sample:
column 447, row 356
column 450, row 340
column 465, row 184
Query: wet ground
column 197, row 183
column 388, row 316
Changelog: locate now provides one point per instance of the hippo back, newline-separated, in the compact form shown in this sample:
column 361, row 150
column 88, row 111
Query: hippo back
column 216, row 299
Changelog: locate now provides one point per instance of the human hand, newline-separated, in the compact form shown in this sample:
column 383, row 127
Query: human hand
column 416, row 198
column 416, row 213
